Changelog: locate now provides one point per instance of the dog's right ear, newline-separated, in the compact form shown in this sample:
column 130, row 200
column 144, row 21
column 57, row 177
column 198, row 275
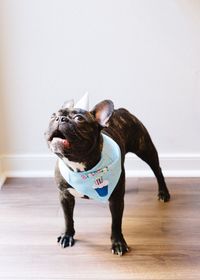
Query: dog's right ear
column 68, row 104
column 103, row 111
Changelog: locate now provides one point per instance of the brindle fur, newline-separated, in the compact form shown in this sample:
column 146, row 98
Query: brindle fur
column 131, row 136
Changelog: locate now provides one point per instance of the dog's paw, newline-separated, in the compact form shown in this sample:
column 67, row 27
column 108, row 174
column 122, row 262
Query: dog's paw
column 66, row 240
column 119, row 247
column 164, row 195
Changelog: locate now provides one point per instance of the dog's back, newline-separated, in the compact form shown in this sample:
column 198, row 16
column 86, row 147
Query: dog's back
column 128, row 131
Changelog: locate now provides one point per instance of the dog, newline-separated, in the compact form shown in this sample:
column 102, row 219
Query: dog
column 91, row 148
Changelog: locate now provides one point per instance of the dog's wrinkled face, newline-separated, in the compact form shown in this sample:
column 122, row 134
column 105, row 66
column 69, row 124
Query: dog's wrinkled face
column 73, row 133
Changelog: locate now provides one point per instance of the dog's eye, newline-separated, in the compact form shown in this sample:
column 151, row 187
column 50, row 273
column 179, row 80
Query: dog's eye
column 78, row 118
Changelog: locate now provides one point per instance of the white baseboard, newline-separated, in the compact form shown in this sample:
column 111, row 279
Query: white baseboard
column 28, row 165
column 2, row 180
column 42, row 165
column 2, row 175
column 173, row 165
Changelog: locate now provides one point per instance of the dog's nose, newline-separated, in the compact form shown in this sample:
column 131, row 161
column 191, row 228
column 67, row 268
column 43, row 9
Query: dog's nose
column 62, row 119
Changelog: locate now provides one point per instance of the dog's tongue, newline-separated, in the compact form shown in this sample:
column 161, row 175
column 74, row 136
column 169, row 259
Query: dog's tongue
column 64, row 142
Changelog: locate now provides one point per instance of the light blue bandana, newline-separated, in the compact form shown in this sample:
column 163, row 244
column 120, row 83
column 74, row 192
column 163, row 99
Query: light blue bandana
column 99, row 182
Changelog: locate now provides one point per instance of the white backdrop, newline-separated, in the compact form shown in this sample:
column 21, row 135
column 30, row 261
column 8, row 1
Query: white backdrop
column 142, row 54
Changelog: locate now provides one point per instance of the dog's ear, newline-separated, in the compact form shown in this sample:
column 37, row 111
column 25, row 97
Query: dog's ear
column 68, row 104
column 103, row 111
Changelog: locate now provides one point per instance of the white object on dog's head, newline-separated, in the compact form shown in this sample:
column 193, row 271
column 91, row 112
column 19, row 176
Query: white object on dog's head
column 83, row 103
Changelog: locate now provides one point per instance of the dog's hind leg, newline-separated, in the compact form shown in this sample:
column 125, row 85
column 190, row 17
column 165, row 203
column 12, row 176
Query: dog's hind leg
column 151, row 158
column 146, row 150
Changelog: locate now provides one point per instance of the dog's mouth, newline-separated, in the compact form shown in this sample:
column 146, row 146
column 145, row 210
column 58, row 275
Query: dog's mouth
column 56, row 134
column 58, row 138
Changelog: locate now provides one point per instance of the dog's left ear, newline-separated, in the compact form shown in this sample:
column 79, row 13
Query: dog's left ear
column 103, row 111
column 68, row 104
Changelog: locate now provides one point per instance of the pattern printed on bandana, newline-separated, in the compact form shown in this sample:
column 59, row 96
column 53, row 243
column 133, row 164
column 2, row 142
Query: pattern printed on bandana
column 101, row 186
column 92, row 174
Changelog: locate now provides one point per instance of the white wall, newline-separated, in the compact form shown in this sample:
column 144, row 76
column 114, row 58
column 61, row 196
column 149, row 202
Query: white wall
column 142, row 54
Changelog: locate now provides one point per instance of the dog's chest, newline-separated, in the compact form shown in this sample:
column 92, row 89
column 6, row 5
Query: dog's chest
column 76, row 167
column 98, row 182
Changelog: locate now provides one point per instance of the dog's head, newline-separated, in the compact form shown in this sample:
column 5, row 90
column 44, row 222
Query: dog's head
column 74, row 133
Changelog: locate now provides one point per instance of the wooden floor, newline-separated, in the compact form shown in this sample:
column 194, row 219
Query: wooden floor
column 164, row 238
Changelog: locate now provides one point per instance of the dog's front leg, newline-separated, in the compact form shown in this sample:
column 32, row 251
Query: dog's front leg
column 67, row 201
column 116, row 204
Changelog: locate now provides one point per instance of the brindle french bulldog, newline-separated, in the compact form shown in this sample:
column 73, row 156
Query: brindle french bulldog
column 77, row 137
